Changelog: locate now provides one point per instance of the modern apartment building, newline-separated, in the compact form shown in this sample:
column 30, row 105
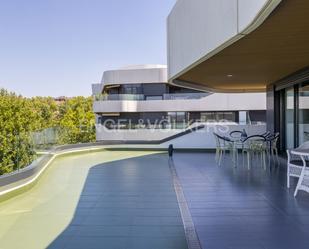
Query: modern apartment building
column 137, row 104
column 237, row 46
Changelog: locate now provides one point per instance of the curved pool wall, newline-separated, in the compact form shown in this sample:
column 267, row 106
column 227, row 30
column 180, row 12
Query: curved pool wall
column 17, row 182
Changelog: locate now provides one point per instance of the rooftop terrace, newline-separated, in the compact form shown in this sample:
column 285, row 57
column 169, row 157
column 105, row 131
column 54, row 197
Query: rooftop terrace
column 125, row 199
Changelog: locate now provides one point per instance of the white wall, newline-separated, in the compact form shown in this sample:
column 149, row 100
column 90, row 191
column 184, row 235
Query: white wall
column 203, row 139
column 104, row 134
column 198, row 29
column 213, row 102
column 132, row 75
column 248, row 10
column 136, row 75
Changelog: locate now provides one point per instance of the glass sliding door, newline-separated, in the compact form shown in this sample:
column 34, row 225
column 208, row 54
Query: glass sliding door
column 289, row 118
column 303, row 113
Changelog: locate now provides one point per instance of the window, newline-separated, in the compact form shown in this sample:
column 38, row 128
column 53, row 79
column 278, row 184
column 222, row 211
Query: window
column 208, row 117
column 303, row 114
column 177, row 119
column 257, row 117
column 132, row 89
column 289, row 118
column 218, row 116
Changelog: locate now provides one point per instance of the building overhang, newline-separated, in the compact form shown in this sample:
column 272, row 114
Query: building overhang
column 278, row 47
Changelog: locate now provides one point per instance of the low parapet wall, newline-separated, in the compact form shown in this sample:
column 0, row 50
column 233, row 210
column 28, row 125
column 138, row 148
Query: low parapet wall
column 200, row 138
column 19, row 181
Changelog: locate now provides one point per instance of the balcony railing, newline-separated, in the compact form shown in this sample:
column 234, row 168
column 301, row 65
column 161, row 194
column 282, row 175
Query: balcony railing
column 119, row 97
column 182, row 96
column 141, row 97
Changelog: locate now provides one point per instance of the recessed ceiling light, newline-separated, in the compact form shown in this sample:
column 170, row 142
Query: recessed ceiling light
column 230, row 75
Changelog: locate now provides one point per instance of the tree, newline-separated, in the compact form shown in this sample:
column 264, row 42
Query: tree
column 20, row 118
column 15, row 123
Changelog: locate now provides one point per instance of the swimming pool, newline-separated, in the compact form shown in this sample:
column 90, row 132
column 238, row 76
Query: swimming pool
column 107, row 199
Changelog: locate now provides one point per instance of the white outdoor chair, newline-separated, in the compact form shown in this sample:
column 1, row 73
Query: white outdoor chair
column 272, row 149
column 255, row 145
column 294, row 164
column 303, row 182
column 223, row 144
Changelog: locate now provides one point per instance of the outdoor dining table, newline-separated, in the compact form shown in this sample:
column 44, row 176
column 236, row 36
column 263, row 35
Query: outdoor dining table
column 239, row 143
column 303, row 154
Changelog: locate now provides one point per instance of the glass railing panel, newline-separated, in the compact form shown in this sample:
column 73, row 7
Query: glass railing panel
column 119, row 97
column 16, row 152
column 183, row 96
column 19, row 149
column 141, row 97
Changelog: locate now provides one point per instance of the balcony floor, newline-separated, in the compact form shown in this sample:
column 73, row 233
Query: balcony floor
column 241, row 209
column 122, row 200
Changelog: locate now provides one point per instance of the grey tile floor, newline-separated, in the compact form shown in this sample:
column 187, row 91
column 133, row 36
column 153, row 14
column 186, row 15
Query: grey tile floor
column 126, row 204
column 238, row 209
column 131, row 204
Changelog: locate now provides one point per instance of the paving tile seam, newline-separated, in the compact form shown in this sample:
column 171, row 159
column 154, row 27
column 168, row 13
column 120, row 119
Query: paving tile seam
column 190, row 232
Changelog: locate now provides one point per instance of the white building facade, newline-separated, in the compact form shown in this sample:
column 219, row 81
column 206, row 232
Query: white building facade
column 137, row 105
column 237, row 46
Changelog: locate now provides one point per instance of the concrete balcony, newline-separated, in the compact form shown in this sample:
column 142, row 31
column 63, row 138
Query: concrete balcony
column 141, row 97
column 179, row 102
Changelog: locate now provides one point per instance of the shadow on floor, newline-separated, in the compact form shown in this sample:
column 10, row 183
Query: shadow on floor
column 126, row 204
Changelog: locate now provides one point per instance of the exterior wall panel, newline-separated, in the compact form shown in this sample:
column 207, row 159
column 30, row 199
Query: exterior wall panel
column 127, row 76
column 199, row 29
column 248, row 10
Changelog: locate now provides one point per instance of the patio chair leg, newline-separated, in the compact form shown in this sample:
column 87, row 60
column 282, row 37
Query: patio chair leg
column 217, row 154
column 216, row 158
column 269, row 158
column 248, row 157
column 273, row 156
column 302, row 176
column 288, row 181
column 295, row 193
column 276, row 151
column 231, row 155
column 220, row 157
column 298, row 185
column 232, row 152
column 261, row 158
column 264, row 160
column 236, row 158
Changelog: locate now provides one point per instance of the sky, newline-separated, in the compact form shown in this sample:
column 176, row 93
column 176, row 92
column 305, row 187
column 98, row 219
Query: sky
column 60, row 47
